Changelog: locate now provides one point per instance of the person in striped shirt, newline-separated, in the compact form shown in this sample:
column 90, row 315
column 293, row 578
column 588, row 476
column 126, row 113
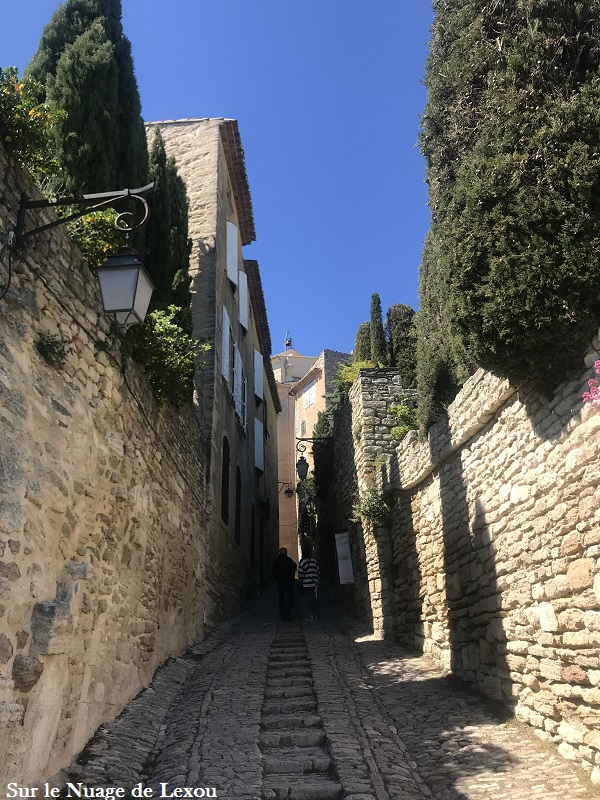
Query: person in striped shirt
column 309, row 574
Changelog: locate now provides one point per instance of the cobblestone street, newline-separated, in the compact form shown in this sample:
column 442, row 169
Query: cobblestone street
column 312, row 711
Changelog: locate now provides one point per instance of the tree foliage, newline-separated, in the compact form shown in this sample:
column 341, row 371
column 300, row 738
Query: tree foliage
column 168, row 355
column 85, row 67
column 362, row 343
column 401, row 342
column 26, row 123
column 511, row 137
column 167, row 243
column 378, row 345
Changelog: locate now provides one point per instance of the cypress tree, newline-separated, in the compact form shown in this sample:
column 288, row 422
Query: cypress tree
column 167, row 244
column 378, row 347
column 72, row 64
column 87, row 138
column 511, row 137
column 400, row 335
column 362, row 343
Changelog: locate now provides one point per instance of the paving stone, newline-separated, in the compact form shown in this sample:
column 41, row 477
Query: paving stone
column 265, row 710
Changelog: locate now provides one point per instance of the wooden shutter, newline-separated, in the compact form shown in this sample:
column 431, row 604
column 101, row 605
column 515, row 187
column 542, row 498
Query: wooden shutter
column 225, row 364
column 258, row 375
column 259, row 445
column 232, row 253
column 243, row 300
column 238, row 380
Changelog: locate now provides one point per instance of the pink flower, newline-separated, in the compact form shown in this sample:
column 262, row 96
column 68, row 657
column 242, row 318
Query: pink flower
column 597, row 367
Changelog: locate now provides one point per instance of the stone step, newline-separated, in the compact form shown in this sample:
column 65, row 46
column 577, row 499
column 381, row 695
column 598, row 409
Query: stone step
column 297, row 737
column 291, row 787
column 273, row 683
column 278, row 721
column 302, row 761
column 272, row 692
column 288, row 672
column 285, row 657
column 289, row 706
column 299, row 652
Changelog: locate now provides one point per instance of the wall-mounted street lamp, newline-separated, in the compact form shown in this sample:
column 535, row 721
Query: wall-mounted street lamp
column 125, row 285
column 302, row 463
column 288, row 491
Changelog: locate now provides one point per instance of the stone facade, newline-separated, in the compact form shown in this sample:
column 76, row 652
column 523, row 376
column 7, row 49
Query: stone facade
column 493, row 562
column 102, row 511
column 236, row 394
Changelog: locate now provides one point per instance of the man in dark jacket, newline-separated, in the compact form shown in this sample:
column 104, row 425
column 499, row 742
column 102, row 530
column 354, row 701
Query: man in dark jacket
column 284, row 572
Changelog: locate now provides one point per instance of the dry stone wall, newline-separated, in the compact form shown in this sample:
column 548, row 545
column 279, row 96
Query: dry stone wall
column 102, row 512
column 496, row 549
column 363, row 437
column 492, row 563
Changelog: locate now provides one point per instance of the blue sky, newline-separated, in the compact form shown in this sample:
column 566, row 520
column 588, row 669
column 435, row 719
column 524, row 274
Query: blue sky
column 328, row 95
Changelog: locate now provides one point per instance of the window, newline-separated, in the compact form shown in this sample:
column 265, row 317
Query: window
column 226, row 347
column 243, row 300
column 258, row 376
column 238, row 506
column 238, row 381
column 259, row 445
column 225, row 481
column 309, row 395
column 232, row 253
column 253, row 535
column 303, row 428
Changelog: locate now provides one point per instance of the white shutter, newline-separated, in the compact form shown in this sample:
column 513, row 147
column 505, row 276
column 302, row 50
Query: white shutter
column 232, row 253
column 259, row 390
column 259, row 445
column 245, row 405
column 225, row 346
column 238, row 380
column 243, row 300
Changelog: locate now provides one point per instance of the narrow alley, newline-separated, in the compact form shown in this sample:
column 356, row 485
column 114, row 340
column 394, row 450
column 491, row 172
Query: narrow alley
column 316, row 711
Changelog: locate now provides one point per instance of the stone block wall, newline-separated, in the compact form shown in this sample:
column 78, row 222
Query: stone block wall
column 102, row 512
column 363, row 438
column 496, row 551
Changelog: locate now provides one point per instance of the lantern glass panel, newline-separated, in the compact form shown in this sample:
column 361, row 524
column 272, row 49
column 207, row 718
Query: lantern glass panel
column 118, row 287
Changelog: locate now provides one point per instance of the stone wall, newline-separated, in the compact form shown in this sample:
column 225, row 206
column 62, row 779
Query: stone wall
column 496, row 551
column 363, row 437
column 102, row 512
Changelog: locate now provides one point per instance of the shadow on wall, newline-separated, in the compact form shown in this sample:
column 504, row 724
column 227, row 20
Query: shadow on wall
column 406, row 575
column 473, row 602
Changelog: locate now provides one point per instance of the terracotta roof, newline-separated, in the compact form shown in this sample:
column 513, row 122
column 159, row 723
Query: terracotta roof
column 234, row 153
column 236, row 164
column 257, row 299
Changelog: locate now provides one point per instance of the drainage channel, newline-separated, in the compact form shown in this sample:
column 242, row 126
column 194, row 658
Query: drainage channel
column 296, row 760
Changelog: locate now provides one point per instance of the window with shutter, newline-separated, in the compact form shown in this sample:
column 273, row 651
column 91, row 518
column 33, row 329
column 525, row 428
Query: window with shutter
column 243, row 300
column 259, row 446
column 238, row 380
column 225, row 346
column 245, row 405
column 232, row 253
column 258, row 375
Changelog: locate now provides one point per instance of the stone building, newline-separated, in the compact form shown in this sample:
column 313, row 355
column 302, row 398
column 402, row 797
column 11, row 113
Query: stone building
column 303, row 384
column 127, row 528
column 288, row 367
column 237, row 396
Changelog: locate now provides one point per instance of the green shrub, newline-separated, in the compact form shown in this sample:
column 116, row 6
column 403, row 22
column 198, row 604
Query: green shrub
column 26, row 124
column 370, row 505
column 405, row 417
column 167, row 354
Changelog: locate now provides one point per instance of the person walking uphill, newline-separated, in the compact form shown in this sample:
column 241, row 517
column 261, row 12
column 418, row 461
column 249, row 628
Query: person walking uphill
column 284, row 572
column 309, row 574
